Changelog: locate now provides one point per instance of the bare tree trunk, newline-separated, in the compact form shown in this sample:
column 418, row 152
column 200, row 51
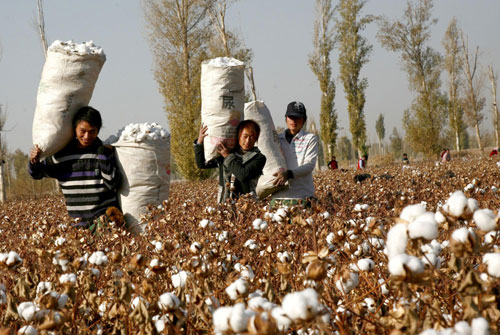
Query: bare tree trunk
column 493, row 80
column 249, row 73
column 3, row 195
column 39, row 24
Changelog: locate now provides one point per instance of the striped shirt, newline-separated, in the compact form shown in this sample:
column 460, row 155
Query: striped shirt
column 88, row 178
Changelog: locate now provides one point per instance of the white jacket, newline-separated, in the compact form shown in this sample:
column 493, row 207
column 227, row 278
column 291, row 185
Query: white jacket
column 300, row 155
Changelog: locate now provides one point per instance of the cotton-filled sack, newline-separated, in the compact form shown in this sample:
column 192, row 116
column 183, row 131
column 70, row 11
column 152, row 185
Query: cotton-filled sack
column 68, row 79
column 268, row 144
column 143, row 155
column 222, row 102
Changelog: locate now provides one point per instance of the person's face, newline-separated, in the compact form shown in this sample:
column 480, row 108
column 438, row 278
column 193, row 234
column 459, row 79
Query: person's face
column 247, row 138
column 85, row 134
column 294, row 124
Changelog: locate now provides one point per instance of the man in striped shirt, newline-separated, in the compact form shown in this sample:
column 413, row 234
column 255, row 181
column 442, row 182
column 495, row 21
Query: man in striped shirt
column 85, row 168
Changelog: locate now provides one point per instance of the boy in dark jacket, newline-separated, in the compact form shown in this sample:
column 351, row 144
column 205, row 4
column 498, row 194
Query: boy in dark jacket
column 240, row 168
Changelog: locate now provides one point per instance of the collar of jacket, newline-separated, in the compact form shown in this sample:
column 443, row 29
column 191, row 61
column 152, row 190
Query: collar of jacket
column 248, row 155
column 299, row 134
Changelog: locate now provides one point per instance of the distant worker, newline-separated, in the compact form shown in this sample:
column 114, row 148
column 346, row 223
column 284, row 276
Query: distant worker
column 332, row 165
column 494, row 152
column 239, row 168
column 300, row 149
column 406, row 161
column 445, row 155
column 363, row 160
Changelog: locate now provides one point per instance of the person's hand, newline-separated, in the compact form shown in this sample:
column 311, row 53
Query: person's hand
column 35, row 154
column 105, row 150
column 281, row 178
column 223, row 150
column 202, row 134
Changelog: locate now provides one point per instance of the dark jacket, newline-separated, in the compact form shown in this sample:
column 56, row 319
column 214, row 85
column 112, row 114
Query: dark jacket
column 238, row 172
column 88, row 178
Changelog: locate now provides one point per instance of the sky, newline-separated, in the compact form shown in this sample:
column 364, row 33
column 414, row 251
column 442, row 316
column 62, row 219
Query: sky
column 279, row 32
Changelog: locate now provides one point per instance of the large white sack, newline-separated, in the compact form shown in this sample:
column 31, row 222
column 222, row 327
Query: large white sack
column 222, row 102
column 269, row 146
column 143, row 156
column 67, row 83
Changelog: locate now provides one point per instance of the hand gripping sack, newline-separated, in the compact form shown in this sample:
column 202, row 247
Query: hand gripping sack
column 269, row 146
column 67, row 83
column 222, row 102
column 145, row 169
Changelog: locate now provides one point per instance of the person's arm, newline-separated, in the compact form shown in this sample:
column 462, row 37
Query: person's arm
column 311, row 156
column 248, row 171
column 199, row 150
column 109, row 171
column 36, row 168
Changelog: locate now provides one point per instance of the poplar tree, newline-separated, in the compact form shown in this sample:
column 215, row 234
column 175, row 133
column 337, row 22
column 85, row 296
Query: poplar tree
column 319, row 61
column 380, row 129
column 354, row 50
column 424, row 120
column 179, row 33
column 474, row 103
column 494, row 106
column 453, row 66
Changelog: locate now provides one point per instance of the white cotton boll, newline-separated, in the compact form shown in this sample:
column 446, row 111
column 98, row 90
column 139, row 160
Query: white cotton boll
column 27, row 330
column 13, row 258
column 424, row 226
column 383, row 286
column 179, row 279
column 461, row 235
column 168, row 301
column 349, row 284
column 468, row 187
column 95, row 272
column 98, row 258
column 490, row 237
column 27, row 310
column 256, row 303
column 224, row 62
column 264, row 225
column 411, row 212
column 457, row 203
column 370, row 305
column 284, row 257
column 462, row 328
column 239, row 318
column 237, row 289
column 377, row 242
column 221, row 318
column 493, row 262
column 250, row 244
column 485, row 219
column 158, row 245
column 43, row 287
column 412, row 263
column 366, row 264
column 159, row 325
column 60, row 241
column 325, row 215
column 245, row 271
column 480, row 326
column 222, row 237
column 62, row 300
column 357, row 208
column 256, row 224
column 432, row 260
column 301, row 305
column 439, row 217
column 195, row 247
column 206, row 223
column 330, row 238
column 282, row 321
column 397, row 239
column 472, row 205
column 429, row 332
column 67, row 278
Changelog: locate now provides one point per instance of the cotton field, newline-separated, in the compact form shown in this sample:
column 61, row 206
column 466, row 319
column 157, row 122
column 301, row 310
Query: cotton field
column 411, row 250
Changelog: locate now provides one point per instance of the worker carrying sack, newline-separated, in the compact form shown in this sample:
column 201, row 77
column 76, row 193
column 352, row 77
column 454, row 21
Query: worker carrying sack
column 222, row 102
column 67, row 83
column 143, row 155
column 269, row 145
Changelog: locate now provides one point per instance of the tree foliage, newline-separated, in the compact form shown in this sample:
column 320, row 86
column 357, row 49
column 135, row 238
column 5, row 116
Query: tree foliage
column 453, row 66
column 380, row 128
column 396, row 143
column 423, row 121
column 354, row 50
column 319, row 61
column 344, row 148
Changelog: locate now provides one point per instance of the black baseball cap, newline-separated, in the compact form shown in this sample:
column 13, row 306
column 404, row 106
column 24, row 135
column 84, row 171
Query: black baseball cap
column 296, row 108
